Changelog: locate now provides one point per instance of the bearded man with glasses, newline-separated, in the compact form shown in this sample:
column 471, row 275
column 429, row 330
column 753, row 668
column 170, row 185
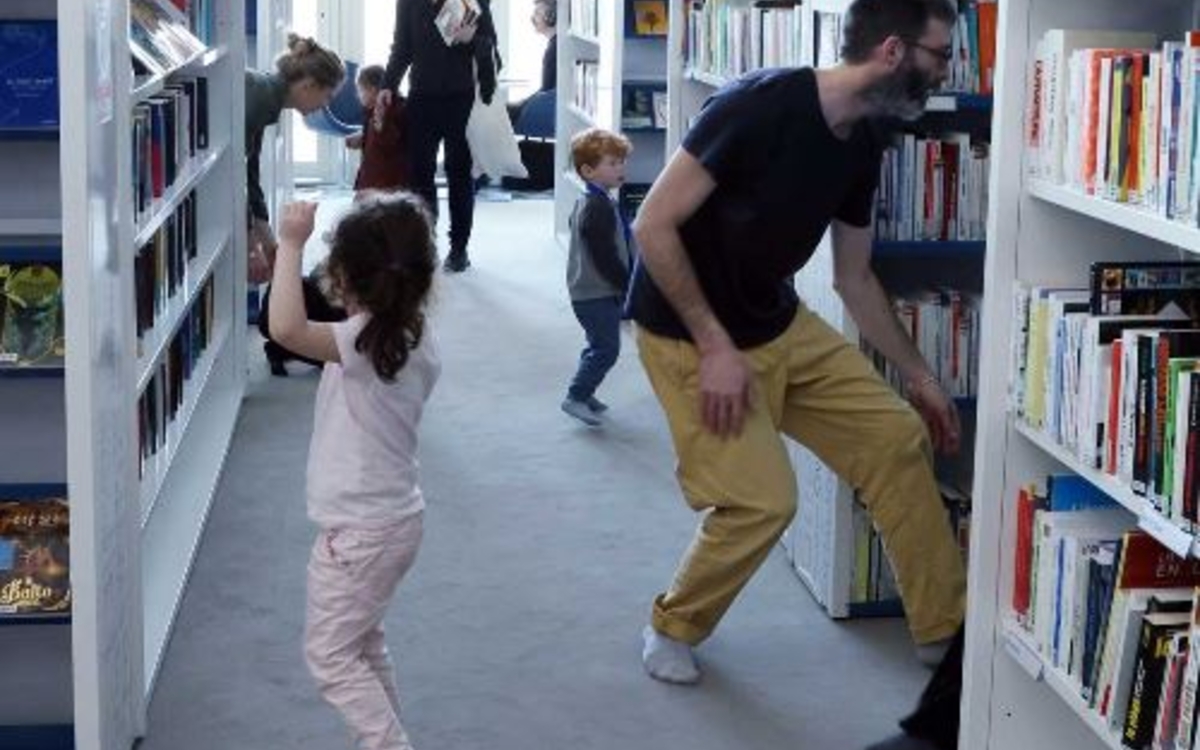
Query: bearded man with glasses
column 773, row 160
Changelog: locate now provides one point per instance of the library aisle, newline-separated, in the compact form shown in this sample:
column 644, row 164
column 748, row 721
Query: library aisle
column 520, row 625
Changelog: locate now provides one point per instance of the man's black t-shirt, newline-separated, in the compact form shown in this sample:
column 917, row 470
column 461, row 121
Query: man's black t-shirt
column 782, row 176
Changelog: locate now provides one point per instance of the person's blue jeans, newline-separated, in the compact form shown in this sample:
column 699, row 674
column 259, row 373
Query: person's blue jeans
column 601, row 321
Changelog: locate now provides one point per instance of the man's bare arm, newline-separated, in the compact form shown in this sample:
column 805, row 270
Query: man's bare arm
column 677, row 194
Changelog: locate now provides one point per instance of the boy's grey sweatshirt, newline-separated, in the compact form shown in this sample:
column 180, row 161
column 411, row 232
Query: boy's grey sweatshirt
column 599, row 259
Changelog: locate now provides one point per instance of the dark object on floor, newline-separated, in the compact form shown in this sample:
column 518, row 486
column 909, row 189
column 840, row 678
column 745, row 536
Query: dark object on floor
column 936, row 718
column 318, row 308
column 535, row 128
column 456, row 262
column 903, row 742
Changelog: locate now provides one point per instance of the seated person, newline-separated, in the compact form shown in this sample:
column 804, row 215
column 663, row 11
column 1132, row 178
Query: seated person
column 545, row 22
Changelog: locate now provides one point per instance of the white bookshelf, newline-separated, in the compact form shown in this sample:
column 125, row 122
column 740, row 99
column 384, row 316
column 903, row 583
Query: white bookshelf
column 84, row 680
column 274, row 20
column 624, row 60
column 1041, row 233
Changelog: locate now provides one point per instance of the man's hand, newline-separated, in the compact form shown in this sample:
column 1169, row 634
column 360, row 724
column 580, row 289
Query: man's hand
column 939, row 413
column 726, row 390
column 296, row 223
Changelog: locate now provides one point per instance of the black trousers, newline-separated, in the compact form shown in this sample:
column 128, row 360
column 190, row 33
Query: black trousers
column 317, row 307
column 936, row 718
column 432, row 122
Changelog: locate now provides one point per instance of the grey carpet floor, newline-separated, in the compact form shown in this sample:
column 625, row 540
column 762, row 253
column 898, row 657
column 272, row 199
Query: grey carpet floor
column 545, row 542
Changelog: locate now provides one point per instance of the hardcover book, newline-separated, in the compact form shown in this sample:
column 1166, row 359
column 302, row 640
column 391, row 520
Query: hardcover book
column 28, row 74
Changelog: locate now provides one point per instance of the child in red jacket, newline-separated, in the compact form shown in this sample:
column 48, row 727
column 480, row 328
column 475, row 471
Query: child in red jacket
column 383, row 140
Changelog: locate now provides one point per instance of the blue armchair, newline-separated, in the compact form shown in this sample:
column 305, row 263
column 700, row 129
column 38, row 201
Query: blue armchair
column 537, row 116
column 535, row 130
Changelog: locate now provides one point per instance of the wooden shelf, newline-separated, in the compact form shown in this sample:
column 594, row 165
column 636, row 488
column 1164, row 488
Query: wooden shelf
column 46, row 227
column 581, row 114
column 1123, row 216
column 29, row 134
column 153, row 85
column 1149, row 518
column 712, row 80
column 584, row 38
column 1018, row 644
column 950, row 250
column 955, row 102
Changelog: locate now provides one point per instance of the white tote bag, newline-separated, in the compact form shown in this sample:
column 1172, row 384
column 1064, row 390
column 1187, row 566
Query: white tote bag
column 493, row 143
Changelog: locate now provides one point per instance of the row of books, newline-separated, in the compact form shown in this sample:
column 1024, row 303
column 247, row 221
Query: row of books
column 871, row 576
column 587, row 86
column 159, row 405
column 973, row 41
column 201, row 17
column 1113, row 114
column 162, row 267
column 160, row 37
column 972, row 67
column 35, row 558
column 933, row 189
column 1111, row 609
column 31, row 314
column 944, row 325
column 168, row 130
column 584, row 17
column 1105, row 371
column 729, row 38
column 643, row 106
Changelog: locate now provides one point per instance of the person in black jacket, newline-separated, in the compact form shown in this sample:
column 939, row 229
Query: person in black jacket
column 442, row 80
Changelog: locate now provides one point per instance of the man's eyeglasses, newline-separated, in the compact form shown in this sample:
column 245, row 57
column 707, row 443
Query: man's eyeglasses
column 945, row 54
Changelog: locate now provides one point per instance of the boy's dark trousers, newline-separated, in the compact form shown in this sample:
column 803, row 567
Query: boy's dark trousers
column 317, row 308
column 601, row 321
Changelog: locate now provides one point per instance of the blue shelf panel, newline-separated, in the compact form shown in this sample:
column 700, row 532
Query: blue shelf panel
column 958, row 102
column 32, row 491
column 929, row 249
column 643, row 129
column 50, row 737
column 8, row 621
column 31, row 254
column 8, row 372
column 886, row 608
column 28, row 134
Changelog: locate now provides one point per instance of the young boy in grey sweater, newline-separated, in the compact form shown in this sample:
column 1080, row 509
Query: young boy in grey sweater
column 598, row 266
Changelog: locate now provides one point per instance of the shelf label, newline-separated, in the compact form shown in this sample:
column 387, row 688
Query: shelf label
column 941, row 104
column 1168, row 534
column 1025, row 657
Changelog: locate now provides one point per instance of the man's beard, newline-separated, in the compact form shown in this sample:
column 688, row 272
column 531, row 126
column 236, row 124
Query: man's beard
column 902, row 94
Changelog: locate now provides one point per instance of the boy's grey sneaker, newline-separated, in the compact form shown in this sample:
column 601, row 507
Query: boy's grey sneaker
column 580, row 410
column 596, row 405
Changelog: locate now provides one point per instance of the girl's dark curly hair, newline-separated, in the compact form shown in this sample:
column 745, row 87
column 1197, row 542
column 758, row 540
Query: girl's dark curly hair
column 383, row 257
